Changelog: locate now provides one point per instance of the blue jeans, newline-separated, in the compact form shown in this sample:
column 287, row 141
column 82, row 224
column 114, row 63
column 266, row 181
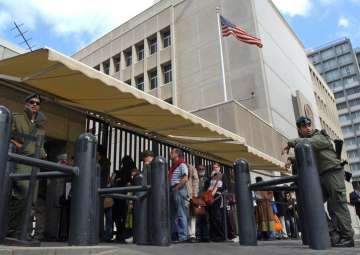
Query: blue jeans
column 108, row 235
column 178, row 214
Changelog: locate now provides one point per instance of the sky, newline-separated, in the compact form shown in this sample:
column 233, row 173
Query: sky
column 69, row 25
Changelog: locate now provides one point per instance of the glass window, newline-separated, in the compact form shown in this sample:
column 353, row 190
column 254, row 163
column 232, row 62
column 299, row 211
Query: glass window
column 347, row 129
column 128, row 57
column 351, row 81
column 152, row 45
column 332, row 75
column 116, row 61
column 354, row 90
column 343, row 48
column 329, row 53
column 350, row 141
column 355, row 166
column 339, row 94
column 106, row 66
column 345, row 59
column 347, row 70
column 166, row 39
column 140, row 52
column 335, row 84
column 355, row 116
column 167, row 73
column 341, row 106
column 153, row 79
column 353, row 154
column 140, row 83
column 330, row 64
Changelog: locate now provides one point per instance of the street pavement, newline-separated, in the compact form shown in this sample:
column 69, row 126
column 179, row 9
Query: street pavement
column 283, row 247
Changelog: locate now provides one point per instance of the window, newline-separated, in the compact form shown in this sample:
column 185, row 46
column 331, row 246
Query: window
column 341, row 106
column 347, row 130
column 350, row 81
column 140, row 83
column 152, row 45
column 169, row 100
column 140, row 52
column 128, row 57
column 335, row 84
column 332, row 75
column 339, row 94
column 347, row 70
column 329, row 53
column 153, row 79
column 97, row 67
column 350, row 141
column 330, row 64
column 355, row 166
column 343, row 48
column 353, row 154
column 355, row 116
column 315, row 58
column 166, row 39
column 344, row 117
column 167, row 73
column 116, row 61
column 354, row 90
column 106, row 66
column 345, row 59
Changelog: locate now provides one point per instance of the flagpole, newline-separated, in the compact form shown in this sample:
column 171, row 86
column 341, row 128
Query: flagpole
column 221, row 53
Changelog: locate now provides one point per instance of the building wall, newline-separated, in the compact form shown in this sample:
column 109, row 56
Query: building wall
column 286, row 67
column 337, row 63
column 325, row 100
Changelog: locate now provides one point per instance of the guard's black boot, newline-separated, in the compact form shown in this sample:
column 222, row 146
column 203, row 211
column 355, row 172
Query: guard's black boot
column 343, row 243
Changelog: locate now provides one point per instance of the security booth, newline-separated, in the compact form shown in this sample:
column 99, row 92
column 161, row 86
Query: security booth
column 125, row 120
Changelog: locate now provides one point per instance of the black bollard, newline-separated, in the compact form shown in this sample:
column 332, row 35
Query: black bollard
column 140, row 212
column 159, row 204
column 84, row 218
column 300, row 210
column 5, row 130
column 311, row 196
column 244, row 204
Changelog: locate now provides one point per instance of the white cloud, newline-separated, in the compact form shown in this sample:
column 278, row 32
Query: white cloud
column 343, row 22
column 68, row 17
column 294, row 8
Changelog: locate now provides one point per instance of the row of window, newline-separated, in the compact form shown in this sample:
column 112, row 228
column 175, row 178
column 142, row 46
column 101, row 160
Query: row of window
column 352, row 141
column 344, row 71
column 330, row 53
column 355, row 116
column 334, row 63
column 355, row 167
column 353, row 154
column 349, row 92
column 153, row 78
column 139, row 51
column 347, row 82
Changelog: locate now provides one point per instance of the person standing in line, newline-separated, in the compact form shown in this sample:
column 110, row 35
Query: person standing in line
column 202, row 221
column 193, row 190
column 178, row 176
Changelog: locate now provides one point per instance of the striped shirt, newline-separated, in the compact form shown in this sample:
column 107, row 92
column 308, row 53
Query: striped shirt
column 179, row 172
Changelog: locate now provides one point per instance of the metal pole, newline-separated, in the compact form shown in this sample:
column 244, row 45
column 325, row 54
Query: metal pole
column 313, row 205
column 32, row 192
column 300, row 210
column 159, row 203
column 140, row 213
column 85, row 198
column 221, row 54
column 5, row 130
column 244, row 204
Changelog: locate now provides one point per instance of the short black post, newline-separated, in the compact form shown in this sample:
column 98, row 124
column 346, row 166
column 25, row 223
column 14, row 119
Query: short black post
column 159, row 204
column 85, row 198
column 300, row 210
column 244, row 204
column 140, row 213
column 311, row 195
column 5, row 130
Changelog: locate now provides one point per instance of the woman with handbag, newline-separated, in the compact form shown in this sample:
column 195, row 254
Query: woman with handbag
column 215, row 204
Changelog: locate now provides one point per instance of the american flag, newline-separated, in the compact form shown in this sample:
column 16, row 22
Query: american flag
column 228, row 29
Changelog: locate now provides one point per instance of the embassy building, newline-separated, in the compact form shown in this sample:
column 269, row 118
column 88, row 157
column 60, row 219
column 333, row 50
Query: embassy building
column 172, row 51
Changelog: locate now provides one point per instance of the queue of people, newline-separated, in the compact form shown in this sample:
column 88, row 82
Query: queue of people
column 276, row 214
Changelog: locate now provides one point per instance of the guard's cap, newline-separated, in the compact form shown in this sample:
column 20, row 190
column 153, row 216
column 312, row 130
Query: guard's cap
column 31, row 96
column 303, row 121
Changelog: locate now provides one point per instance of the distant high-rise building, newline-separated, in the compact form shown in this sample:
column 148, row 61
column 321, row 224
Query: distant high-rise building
column 357, row 52
column 338, row 65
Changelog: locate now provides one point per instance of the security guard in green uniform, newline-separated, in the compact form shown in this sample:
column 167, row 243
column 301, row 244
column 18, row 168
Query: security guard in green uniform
column 331, row 178
column 25, row 126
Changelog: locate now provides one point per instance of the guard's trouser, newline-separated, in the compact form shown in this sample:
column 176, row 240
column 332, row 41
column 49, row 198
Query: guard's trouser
column 334, row 192
column 17, row 203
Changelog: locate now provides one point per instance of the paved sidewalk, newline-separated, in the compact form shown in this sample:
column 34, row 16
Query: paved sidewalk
column 290, row 247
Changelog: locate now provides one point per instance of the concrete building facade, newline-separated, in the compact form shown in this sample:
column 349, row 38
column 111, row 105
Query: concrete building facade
column 172, row 51
column 337, row 63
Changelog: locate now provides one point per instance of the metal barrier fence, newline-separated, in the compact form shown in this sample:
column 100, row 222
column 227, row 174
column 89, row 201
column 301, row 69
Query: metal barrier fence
column 309, row 194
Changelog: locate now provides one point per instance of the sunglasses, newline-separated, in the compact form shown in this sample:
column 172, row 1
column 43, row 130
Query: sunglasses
column 33, row 102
